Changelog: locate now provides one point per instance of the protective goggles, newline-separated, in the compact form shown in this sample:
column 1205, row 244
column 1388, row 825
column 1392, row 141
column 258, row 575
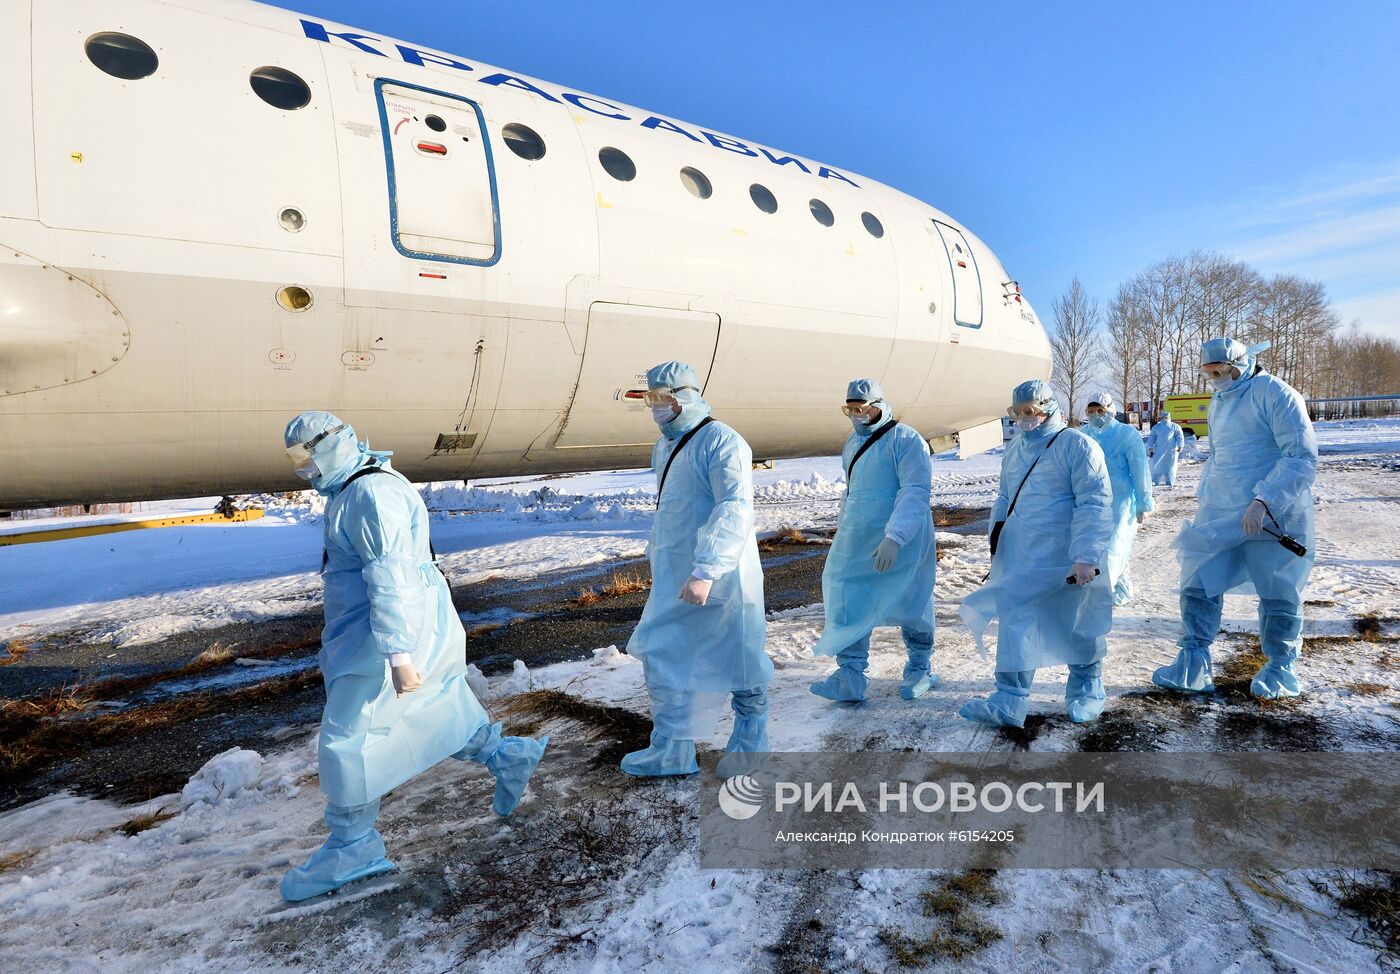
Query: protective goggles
column 1025, row 411
column 1217, row 370
column 1094, row 409
column 855, row 408
column 663, row 396
column 300, row 453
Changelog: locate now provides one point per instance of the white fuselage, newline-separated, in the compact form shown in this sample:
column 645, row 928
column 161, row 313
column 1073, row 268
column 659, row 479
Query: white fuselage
column 477, row 312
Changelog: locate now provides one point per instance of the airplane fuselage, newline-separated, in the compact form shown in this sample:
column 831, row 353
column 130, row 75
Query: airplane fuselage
column 473, row 267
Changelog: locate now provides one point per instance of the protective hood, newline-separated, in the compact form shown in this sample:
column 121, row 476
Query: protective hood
column 683, row 383
column 1038, row 392
column 337, row 456
column 1232, row 351
column 868, row 390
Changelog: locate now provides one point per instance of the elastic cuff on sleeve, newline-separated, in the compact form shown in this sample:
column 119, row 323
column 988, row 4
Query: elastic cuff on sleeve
column 399, row 659
column 705, row 574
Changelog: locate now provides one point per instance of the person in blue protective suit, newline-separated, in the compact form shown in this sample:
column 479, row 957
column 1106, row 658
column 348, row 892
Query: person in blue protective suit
column 1050, row 531
column 882, row 565
column 702, row 634
column 1164, row 446
column 1126, row 459
column 1256, row 487
column 392, row 657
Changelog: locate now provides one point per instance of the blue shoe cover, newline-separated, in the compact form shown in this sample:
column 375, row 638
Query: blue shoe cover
column 1008, row 704
column 747, row 747
column 1189, row 672
column 664, row 757
column 846, row 685
column 513, row 762
column 333, row 865
column 990, row 712
column 1123, row 591
column 918, row 680
column 1084, row 693
column 1275, row 681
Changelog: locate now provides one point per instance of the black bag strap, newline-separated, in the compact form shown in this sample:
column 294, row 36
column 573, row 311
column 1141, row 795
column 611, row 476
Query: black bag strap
column 996, row 528
column 867, row 445
column 1042, row 453
column 372, row 467
column 679, row 447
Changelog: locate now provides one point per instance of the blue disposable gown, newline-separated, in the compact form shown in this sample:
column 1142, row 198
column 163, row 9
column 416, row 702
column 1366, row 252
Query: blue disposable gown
column 1126, row 460
column 888, row 495
column 1261, row 445
column 1064, row 515
column 383, row 596
column 703, row 526
column 1164, row 441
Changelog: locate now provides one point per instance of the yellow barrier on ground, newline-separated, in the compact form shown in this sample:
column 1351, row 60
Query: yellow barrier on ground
column 88, row 530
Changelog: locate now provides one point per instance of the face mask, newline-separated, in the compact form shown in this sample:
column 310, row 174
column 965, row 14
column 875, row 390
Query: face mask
column 1222, row 383
column 1029, row 423
column 1099, row 422
column 308, row 471
column 663, row 414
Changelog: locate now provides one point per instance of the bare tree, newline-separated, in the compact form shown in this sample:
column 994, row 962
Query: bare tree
column 1075, row 344
column 1122, row 349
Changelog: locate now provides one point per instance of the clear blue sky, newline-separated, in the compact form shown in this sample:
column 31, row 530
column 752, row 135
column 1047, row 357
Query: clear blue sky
column 1085, row 138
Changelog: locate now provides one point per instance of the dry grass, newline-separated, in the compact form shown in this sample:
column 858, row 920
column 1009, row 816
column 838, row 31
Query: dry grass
column 1242, row 666
column 1377, row 901
column 959, row 930
column 476, row 632
column 1371, row 628
column 16, row 715
column 621, row 583
column 785, row 535
column 17, row 860
column 216, row 655
column 956, row 517
column 43, row 741
column 14, row 651
column 141, row 823
column 1367, row 689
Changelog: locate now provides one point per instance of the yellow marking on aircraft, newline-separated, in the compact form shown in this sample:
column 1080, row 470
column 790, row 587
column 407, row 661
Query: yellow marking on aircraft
column 89, row 530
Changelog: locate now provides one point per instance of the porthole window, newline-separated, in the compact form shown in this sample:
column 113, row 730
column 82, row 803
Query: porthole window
column 697, row 182
column 435, row 123
column 523, row 141
column 763, row 198
column 294, row 298
column 280, row 88
column 292, row 219
column 122, row 56
column 617, row 164
column 821, row 213
column 872, row 225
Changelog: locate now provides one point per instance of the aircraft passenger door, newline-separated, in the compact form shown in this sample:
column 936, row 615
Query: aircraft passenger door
column 442, row 182
column 624, row 340
column 967, row 280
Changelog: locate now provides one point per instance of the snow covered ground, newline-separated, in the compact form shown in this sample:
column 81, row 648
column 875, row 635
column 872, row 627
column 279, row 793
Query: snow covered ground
column 197, row 889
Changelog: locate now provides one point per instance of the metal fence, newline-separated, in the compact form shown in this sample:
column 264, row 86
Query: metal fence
column 1354, row 407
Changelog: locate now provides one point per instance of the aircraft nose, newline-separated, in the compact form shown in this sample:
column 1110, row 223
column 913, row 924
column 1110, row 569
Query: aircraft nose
column 55, row 329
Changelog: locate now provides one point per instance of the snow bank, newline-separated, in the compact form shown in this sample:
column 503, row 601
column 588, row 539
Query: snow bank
column 222, row 777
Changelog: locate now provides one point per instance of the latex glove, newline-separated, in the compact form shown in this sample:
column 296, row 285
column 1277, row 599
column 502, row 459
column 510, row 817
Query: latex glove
column 1253, row 522
column 1082, row 573
column 406, row 679
column 886, row 555
column 696, row 591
